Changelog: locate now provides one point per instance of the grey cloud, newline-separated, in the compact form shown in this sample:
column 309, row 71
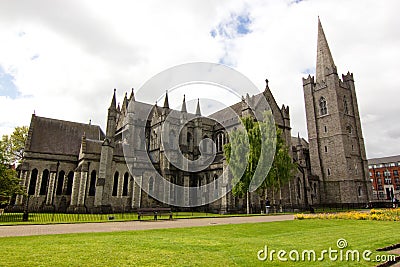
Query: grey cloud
column 76, row 22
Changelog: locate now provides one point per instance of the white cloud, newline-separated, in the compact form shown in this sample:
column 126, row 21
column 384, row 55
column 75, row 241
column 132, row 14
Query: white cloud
column 67, row 56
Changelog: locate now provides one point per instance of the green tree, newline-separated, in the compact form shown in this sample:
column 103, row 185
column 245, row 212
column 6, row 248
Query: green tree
column 9, row 182
column 252, row 150
column 12, row 146
column 248, row 153
column 11, row 152
column 282, row 169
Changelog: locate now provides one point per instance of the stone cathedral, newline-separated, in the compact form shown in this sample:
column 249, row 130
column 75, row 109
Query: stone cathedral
column 77, row 167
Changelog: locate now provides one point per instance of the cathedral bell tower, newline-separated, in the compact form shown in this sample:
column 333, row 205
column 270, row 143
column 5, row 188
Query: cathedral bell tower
column 337, row 151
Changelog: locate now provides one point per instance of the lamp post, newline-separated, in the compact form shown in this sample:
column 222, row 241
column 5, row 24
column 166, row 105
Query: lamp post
column 25, row 215
column 55, row 185
column 386, row 175
column 376, row 179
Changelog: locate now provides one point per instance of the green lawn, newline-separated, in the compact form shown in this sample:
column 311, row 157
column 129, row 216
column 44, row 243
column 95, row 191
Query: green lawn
column 218, row 245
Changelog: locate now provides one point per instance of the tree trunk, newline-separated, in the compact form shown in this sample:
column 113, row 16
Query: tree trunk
column 248, row 202
column 280, row 198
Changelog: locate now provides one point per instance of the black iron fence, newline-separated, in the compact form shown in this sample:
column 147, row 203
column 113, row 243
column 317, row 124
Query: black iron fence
column 19, row 215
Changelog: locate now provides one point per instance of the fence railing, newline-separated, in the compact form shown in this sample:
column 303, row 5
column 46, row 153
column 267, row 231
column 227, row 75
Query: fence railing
column 51, row 216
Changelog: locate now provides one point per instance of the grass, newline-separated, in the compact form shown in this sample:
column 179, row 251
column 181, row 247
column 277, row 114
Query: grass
column 217, row 245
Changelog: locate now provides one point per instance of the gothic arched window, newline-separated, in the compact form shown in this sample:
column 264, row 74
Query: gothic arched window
column 70, row 182
column 349, row 129
column 299, row 188
column 322, row 106
column 345, row 107
column 125, row 187
column 172, row 139
column 151, row 185
column 44, row 184
column 115, row 186
column 92, row 185
column 153, row 140
column 60, row 183
column 32, row 182
column 220, row 141
column 205, row 144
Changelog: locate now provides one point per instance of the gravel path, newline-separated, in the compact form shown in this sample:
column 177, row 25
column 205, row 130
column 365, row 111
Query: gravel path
column 51, row 229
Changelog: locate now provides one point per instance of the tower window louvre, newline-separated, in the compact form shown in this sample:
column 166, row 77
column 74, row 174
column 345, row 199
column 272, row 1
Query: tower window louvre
column 323, row 106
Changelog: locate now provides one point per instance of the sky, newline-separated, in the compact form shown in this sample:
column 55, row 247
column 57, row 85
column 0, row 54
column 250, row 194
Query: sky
column 62, row 59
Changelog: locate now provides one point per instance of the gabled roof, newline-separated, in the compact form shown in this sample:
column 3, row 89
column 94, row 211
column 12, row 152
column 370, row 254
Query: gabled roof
column 226, row 113
column 60, row 137
column 390, row 159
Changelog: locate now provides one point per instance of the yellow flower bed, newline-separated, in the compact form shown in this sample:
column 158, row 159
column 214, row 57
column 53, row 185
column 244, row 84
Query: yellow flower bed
column 374, row 214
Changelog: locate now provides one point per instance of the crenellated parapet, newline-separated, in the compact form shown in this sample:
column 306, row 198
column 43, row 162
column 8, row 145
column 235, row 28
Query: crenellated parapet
column 348, row 77
column 285, row 112
column 308, row 80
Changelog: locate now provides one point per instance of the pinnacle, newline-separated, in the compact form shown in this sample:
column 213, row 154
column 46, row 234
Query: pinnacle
column 114, row 101
column 198, row 112
column 166, row 103
column 132, row 96
column 183, row 109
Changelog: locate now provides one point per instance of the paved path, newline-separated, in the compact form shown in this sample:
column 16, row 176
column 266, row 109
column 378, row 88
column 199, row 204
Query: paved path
column 50, row 229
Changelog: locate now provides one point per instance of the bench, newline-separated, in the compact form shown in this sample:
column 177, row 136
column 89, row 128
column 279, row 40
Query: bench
column 154, row 211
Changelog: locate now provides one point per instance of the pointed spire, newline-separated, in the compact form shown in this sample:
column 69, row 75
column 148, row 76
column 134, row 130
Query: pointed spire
column 131, row 102
column 198, row 112
column 125, row 102
column 183, row 109
column 114, row 101
column 132, row 96
column 325, row 64
column 166, row 104
column 298, row 139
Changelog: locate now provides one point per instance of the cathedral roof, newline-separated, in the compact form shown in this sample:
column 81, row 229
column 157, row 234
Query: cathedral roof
column 295, row 141
column 226, row 114
column 93, row 146
column 60, row 137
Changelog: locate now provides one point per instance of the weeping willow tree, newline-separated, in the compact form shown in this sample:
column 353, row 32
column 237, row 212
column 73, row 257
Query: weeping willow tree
column 282, row 169
column 250, row 152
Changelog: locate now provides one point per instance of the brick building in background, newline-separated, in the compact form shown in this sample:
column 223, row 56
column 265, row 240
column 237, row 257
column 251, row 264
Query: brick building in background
column 384, row 174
